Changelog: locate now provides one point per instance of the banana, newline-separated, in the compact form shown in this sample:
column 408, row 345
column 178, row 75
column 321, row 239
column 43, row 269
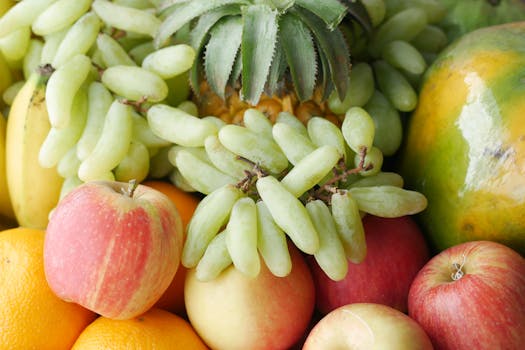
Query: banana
column 6, row 208
column 34, row 190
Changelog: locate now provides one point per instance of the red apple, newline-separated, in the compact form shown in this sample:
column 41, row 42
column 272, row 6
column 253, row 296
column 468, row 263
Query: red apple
column 365, row 326
column 111, row 248
column 472, row 296
column 396, row 250
column 267, row 312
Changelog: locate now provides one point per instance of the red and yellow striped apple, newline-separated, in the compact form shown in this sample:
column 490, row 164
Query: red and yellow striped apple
column 112, row 247
column 471, row 296
column 365, row 326
column 267, row 312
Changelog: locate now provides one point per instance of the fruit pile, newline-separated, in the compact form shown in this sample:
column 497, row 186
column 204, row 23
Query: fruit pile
column 240, row 174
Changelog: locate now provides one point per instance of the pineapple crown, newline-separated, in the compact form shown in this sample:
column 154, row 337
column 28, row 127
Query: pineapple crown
column 262, row 43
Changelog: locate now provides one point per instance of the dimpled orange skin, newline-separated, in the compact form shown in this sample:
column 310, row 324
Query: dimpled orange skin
column 465, row 143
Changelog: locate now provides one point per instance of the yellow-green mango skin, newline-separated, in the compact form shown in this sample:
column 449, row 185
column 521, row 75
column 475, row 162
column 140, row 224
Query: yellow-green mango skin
column 465, row 142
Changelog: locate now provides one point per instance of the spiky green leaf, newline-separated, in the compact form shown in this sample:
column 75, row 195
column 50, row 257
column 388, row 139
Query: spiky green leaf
column 277, row 70
column 331, row 12
column 221, row 50
column 187, row 12
column 258, row 43
column 297, row 42
column 357, row 11
column 333, row 45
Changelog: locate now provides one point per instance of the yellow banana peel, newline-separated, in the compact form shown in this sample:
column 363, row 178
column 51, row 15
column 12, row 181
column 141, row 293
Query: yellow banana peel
column 6, row 208
column 34, row 190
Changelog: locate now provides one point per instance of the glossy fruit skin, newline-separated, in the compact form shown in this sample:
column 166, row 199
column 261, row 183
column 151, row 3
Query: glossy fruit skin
column 465, row 142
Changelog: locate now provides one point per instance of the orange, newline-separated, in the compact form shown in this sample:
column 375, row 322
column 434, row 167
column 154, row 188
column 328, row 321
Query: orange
column 186, row 202
column 156, row 329
column 31, row 315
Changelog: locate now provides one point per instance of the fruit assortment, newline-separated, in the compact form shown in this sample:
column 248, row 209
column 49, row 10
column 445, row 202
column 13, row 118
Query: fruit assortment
column 279, row 131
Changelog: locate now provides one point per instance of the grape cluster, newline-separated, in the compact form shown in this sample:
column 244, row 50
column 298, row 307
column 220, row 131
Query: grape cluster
column 265, row 183
column 388, row 62
column 103, row 74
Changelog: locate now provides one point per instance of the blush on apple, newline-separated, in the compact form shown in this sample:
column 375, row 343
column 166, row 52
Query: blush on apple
column 365, row 326
column 113, row 248
column 396, row 250
column 267, row 312
column 472, row 296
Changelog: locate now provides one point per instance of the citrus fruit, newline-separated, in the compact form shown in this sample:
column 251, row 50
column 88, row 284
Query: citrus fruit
column 31, row 316
column 465, row 143
column 156, row 329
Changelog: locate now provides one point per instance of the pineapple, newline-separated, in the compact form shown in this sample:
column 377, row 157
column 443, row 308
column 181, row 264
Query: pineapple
column 276, row 55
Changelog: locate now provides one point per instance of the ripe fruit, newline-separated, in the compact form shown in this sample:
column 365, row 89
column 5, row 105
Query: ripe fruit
column 234, row 311
column 464, row 148
column 173, row 298
column 396, row 250
column 364, row 326
column 6, row 208
column 31, row 315
column 470, row 296
column 113, row 249
column 155, row 329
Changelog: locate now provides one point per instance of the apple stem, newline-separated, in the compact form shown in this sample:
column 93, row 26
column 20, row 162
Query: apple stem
column 458, row 272
column 132, row 186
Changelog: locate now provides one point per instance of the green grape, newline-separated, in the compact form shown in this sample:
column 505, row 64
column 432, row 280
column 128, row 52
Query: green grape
column 160, row 165
column 99, row 102
column 402, row 55
column 126, row 18
column 388, row 201
column 191, row 108
column 78, row 40
column 31, row 60
column 373, row 160
column 62, row 87
column 289, row 213
column 358, row 129
column 379, row 179
column 140, row 51
column 135, row 165
column 135, row 83
column 252, row 146
column 198, row 170
column 310, row 170
column 179, row 181
column 256, row 121
column 431, row 39
column 294, row 144
column 241, row 237
column 170, row 61
column 376, row 9
column 347, row 219
column 322, row 132
column 387, row 122
column 359, row 91
column 59, row 15
column 331, row 255
column 291, row 120
column 210, row 216
column 68, row 165
column 59, row 141
column 10, row 93
column 435, row 10
column 51, row 44
column 22, row 14
column 404, row 25
column 225, row 160
column 272, row 243
column 179, row 127
column 69, row 184
column 216, row 259
column 395, row 86
column 112, row 145
column 14, row 46
column 143, row 133
column 112, row 53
